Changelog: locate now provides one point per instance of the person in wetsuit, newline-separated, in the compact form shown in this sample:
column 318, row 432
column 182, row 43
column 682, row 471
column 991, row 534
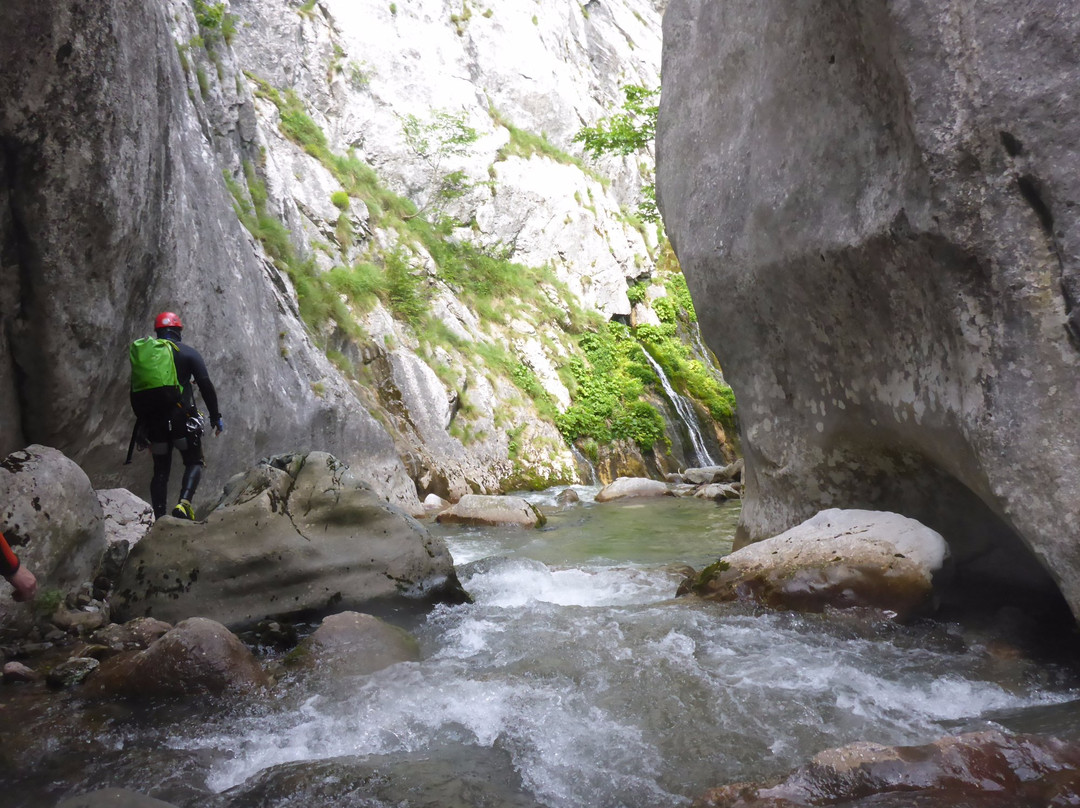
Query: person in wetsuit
column 16, row 574
column 180, row 427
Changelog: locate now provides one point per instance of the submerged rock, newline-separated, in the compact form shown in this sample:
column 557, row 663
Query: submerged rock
column 976, row 770
column 627, row 487
column 296, row 534
column 351, row 644
column 113, row 798
column 837, row 558
column 198, row 656
column 134, row 635
column 71, row 671
column 483, row 509
column 458, row 775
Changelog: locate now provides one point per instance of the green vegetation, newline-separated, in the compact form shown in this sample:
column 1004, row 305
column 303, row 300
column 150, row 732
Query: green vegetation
column 607, row 371
column 607, row 391
column 214, row 22
column 443, row 136
column 527, row 144
column 626, row 132
column 340, row 200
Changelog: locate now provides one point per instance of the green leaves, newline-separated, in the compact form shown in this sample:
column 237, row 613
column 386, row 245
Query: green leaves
column 625, row 132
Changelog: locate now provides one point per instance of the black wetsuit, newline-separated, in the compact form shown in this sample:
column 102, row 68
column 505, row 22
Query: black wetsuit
column 177, row 428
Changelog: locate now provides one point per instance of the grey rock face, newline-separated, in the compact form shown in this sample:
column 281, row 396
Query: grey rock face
column 874, row 205
column 112, row 208
column 304, row 535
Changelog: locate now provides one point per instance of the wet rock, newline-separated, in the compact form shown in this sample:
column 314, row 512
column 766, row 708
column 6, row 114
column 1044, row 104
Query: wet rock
column 674, row 478
column 628, row 487
column 297, row 534
column 134, row 635
column 837, row 558
column 198, row 656
column 449, row 776
column 275, row 634
column 482, row 509
column 353, row 644
column 975, row 769
column 71, row 672
column 568, row 496
column 113, row 798
column 83, row 620
column 18, row 672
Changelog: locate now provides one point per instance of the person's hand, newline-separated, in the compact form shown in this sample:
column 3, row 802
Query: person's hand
column 25, row 584
column 219, row 426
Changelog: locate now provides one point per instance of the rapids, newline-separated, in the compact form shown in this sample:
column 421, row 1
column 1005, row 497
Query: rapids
column 576, row 679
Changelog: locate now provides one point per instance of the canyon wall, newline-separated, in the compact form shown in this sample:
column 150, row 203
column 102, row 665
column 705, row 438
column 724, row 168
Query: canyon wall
column 874, row 204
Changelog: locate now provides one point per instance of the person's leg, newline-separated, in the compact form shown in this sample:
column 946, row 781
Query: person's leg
column 190, row 446
column 158, row 435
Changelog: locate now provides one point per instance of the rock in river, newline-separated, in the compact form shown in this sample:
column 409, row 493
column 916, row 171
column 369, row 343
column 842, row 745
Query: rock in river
column 839, row 558
column 295, row 534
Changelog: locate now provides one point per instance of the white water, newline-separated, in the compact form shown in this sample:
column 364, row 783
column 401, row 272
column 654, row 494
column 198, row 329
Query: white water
column 603, row 691
column 686, row 412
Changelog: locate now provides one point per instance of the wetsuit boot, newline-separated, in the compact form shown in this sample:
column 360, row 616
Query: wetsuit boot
column 190, row 482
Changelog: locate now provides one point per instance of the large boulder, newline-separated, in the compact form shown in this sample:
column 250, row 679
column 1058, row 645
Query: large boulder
column 875, row 206
column 486, row 509
column 837, row 558
column 633, row 488
column 988, row 769
column 50, row 515
column 296, row 534
column 198, row 656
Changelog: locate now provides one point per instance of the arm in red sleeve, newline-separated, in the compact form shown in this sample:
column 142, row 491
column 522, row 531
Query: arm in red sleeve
column 9, row 562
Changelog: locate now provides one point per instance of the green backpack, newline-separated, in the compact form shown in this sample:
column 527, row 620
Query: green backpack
column 153, row 367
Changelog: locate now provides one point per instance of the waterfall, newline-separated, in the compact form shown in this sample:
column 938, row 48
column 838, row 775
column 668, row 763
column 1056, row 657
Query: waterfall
column 686, row 411
column 584, row 464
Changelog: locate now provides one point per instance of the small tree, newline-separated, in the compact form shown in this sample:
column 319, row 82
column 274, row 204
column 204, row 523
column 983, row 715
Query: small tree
column 626, row 132
column 442, row 136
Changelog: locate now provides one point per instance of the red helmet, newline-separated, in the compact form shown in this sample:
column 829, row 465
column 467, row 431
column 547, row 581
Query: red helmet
column 167, row 320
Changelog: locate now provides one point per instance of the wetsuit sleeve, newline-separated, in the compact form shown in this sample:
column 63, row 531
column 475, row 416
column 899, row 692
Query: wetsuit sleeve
column 9, row 562
column 206, row 387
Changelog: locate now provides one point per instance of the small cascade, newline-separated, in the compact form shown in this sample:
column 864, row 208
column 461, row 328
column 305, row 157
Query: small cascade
column 701, row 456
column 703, row 353
column 585, row 467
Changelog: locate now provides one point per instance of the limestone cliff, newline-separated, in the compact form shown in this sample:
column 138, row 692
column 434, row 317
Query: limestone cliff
column 315, row 179
column 875, row 206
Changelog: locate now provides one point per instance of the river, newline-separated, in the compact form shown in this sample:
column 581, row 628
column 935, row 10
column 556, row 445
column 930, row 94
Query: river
column 574, row 679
